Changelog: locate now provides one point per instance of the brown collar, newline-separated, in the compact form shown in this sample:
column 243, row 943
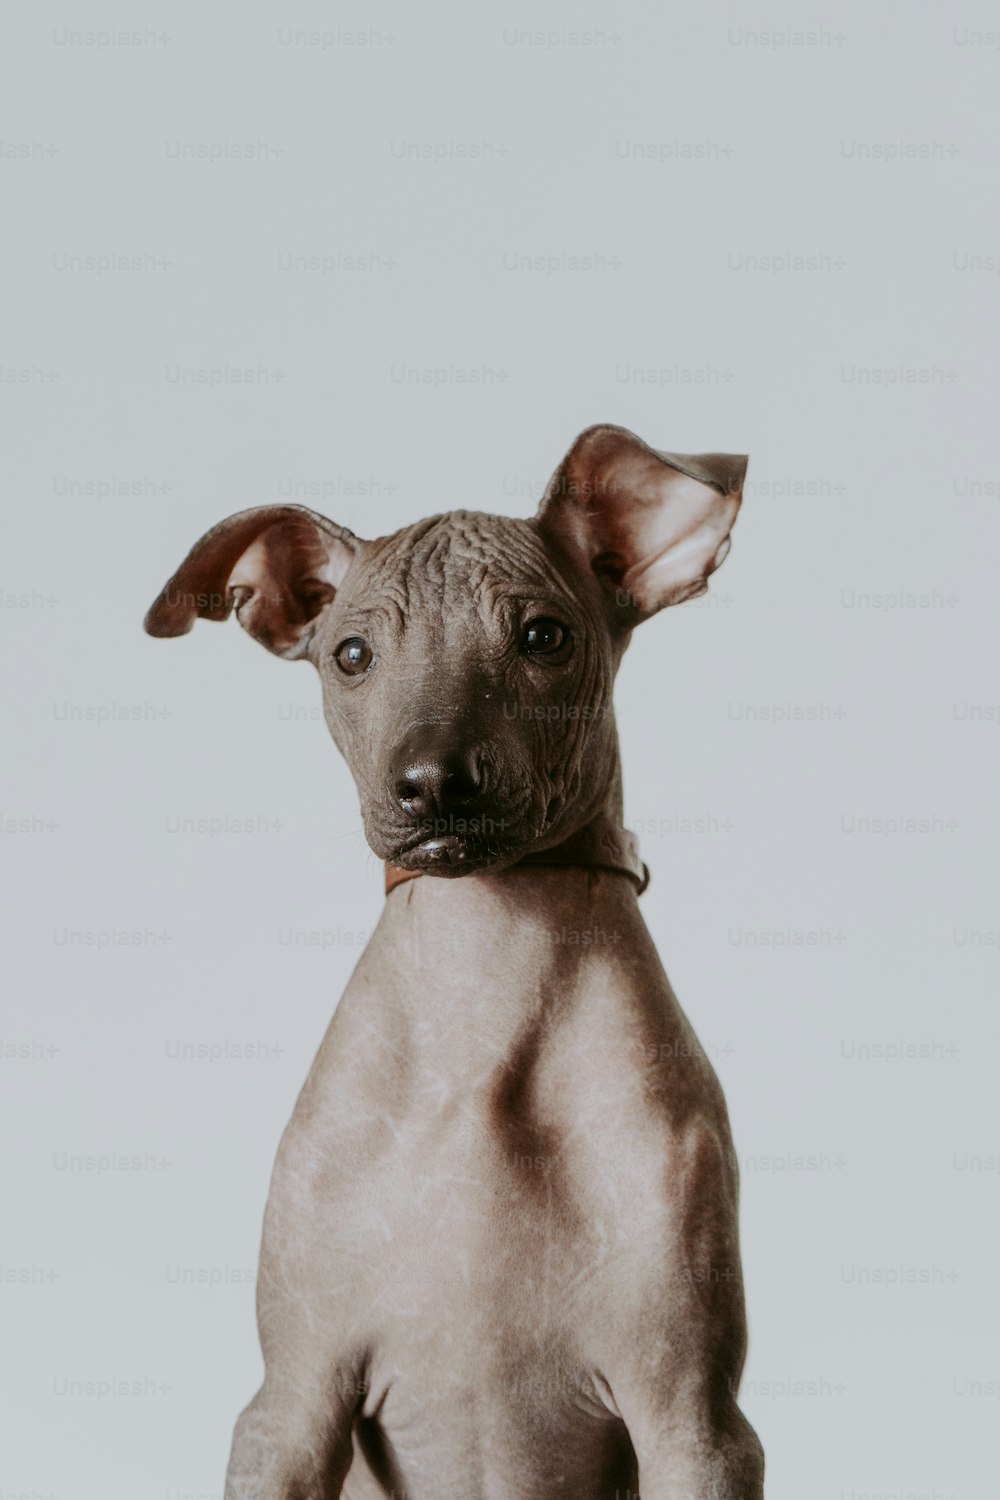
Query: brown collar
column 602, row 845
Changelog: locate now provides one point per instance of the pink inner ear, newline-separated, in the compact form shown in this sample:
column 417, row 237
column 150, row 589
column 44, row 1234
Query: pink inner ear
column 283, row 581
column 253, row 570
column 656, row 524
column 279, row 565
column 676, row 540
column 339, row 557
column 666, row 530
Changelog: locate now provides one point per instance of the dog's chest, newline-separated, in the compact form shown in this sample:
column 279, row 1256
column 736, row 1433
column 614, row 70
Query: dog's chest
column 479, row 1206
column 460, row 1222
column 483, row 1295
column 497, row 1190
column 456, row 1205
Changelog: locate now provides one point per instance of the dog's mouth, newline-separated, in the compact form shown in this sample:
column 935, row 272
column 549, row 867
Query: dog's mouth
column 445, row 854
column 454, row 854
column 454, row 845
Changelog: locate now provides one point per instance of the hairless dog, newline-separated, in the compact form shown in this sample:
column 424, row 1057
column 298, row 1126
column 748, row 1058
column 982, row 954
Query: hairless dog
column 500, row 1256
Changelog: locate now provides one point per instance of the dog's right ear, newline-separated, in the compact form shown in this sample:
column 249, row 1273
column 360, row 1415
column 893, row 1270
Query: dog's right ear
column 279, row 566
column 652, row 526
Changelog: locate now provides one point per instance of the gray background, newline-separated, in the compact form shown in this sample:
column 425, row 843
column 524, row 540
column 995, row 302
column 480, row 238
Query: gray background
column 807, row 750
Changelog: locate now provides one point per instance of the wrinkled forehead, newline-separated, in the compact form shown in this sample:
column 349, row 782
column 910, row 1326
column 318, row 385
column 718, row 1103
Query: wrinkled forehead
column 455, row 565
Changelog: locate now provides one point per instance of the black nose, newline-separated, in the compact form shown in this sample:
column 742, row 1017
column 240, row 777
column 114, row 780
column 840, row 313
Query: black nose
column 429, row 781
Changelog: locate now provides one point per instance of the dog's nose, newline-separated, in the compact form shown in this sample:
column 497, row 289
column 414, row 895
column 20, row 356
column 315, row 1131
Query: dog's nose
column 430, row 781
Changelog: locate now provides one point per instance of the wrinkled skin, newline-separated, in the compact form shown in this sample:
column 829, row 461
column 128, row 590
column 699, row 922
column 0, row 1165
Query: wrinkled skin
column 500, row 1256
column 441, row 605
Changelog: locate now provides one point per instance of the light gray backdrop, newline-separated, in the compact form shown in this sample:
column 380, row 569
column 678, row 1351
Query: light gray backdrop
column 771, row 231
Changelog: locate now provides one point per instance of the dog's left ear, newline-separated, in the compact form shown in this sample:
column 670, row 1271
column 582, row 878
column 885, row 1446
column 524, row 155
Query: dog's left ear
column 651, row 525
column 278, row 566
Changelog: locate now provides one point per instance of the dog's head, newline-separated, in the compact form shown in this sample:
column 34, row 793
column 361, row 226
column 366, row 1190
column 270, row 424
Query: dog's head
column 467, row 661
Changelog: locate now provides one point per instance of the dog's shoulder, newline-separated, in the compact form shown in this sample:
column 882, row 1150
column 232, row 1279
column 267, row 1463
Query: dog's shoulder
column 625, row 1040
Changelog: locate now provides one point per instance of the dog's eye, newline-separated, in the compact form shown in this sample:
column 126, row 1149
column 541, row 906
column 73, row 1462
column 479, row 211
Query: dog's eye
column 542, row 637
column 354, row 656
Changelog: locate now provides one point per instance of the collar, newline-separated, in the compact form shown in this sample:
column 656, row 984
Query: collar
column 602, row 845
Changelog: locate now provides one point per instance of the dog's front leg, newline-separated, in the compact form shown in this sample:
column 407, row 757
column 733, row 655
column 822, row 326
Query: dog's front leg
column 279, row 1454
column 689, row 1457
column 675, row 1368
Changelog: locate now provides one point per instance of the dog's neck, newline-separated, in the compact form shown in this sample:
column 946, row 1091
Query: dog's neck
column 482, row 961
column 536, row 935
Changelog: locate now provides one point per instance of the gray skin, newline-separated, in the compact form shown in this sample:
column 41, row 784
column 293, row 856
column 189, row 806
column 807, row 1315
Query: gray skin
column 500, row 1256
